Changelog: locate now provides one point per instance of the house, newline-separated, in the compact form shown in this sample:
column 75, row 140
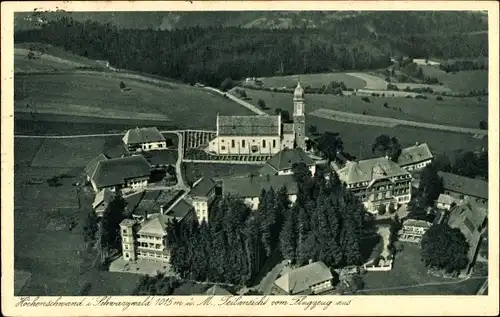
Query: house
column 123, row 173
column 161, row 159
column 282, row 162
column 413, row 230
column 463, row 188
column 146, row 239
column 445, row 202
column 260, row 134
column 92, row 165
column 415, row 157
column 216, row 290
column 376, row 182
column 471, row 219
column 250, row 187
column 202, row 196
column 144, row 203
column 314, row 278
column 144, row 139
column 101, row 201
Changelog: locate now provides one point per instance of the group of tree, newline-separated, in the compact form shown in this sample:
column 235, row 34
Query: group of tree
column 159, row 284
column 329, row 143
column 444, row 248
column 461, row 65
column 431, row 185
column 104, row 233
column 387, row 146
column 468, row 164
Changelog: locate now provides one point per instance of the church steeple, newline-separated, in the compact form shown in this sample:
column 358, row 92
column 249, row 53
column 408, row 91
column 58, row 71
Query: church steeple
column 299, row 118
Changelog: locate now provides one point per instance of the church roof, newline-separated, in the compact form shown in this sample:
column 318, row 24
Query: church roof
column 302, row 278
column 368, row 170
column 249, row 125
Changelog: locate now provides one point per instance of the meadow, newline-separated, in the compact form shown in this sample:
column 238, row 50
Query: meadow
column 450, row 111
column 313, row 80
column 462, row 81
column 86, row 95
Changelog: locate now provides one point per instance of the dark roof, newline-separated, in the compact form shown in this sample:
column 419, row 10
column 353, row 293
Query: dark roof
column 132, row 201
column 116, row 171
column 464, row 185
column 368, row 170
column 162, row 157
column 302, row 278
column 285, row 159
column 180, row 210
column 92, row 165
column 202, row 188
column 252, row 186
column 149, row 201
column 414, row 154
column 249, row 125
column 142, row 135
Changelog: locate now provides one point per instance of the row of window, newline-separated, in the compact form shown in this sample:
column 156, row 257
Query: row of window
column 243, row 143
column 151, row 245
column 141, row 236
column 152, row 255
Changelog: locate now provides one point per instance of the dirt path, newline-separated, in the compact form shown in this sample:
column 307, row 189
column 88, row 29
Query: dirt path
column 241, row 102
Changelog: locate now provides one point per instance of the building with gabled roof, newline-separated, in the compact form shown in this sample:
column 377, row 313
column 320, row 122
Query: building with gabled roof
column 102, row 200
column 413, row 230
column 144, row 139
column 463, row 188
column 250, row 187
column 445, row 202
column 202, row 196
column 376, row 182
column 282, row 162
column 314, row 278
column 130, row 172
column 92, row 165
column 260, row 134
column 415, row 157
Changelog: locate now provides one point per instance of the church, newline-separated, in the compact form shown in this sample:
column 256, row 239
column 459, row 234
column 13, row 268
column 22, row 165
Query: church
column 260, row 134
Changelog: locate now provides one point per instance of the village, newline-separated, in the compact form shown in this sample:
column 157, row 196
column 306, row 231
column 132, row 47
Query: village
column 407, row 202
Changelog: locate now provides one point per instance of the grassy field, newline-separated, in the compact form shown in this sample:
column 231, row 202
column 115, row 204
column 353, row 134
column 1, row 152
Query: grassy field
column 48, row 221
column 451, row 111
column 408, row 272
column 95, row 94
column 314, row 80
column 461, row 81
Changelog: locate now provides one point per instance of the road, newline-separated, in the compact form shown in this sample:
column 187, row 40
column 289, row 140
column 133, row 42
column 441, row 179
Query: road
column 245, row 104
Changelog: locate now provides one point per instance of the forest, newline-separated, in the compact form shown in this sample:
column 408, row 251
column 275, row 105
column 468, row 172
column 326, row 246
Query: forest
column 211, row 54
column 325, row 223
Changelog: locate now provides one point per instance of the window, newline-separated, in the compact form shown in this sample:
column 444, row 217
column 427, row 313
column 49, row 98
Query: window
column 243, row 143
column 149, row 146
column 160, row 145
column 223, row 148
column 126, row 247
column 222, row 141
column 124, row 231
column 126, row 255
column 263, row 143
column 157, row 246
column 232, row 143
column 274, row 143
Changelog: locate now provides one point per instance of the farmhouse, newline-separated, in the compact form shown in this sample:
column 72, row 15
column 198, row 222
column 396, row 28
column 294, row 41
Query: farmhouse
column 260, row 135
column 445, row 202
column 127, row 173
column 101, row 201
column 415, row 157
column 413, row 230
column 161, row 159
column 92, row 165
column 314, row 278
column 250, row 187
column 282, row 162
column 144, row 139
column 146, row 239
column 471, row 220
column 463, row 188
column 376, row 182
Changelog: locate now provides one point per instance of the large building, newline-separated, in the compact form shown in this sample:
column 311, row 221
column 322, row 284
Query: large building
column 463, row 188
column 261, row 134
column 415, row 157
column 283, row 162
column 376, row 182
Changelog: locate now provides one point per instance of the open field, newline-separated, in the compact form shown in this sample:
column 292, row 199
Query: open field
column 451, row 111
column 314, row 80
column 408, row 272
column 48, row 221
column 52, row 59
column 97, row 94
column 462, row 81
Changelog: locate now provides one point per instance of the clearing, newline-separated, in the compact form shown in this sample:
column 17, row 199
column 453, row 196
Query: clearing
column 462, row 81
column 314, row 80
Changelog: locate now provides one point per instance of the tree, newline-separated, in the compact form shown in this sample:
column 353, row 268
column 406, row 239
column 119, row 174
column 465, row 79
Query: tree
column 386, row 105
column 122, row 85
column 330, row 144
column 388, row 146
column 444, row 248
column 431, row 184
column 483, row 125
column 91, row 227
column 301, row 173
column 391, row 208
column 288, row 236
column 114, row 214
column 466, row 165
column 261, row 103
column 226, row 84
column 381, row 209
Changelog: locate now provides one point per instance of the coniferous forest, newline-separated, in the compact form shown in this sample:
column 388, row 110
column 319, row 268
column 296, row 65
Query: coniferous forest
column 324, row 224
column 211, row 54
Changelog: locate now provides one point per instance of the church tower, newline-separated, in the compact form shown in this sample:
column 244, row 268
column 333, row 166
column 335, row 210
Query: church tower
column 299, row 118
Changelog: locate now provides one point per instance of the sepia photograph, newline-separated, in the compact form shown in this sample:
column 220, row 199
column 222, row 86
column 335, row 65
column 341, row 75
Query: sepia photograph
column 227, row 158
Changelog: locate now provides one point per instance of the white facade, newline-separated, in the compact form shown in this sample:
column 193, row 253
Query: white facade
column 322, row 287
column 246, row 145
column 137, row 183
column 201, row 209
column 417, row 166
column 150, row 146
column 312, row 169
column 253, row 202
